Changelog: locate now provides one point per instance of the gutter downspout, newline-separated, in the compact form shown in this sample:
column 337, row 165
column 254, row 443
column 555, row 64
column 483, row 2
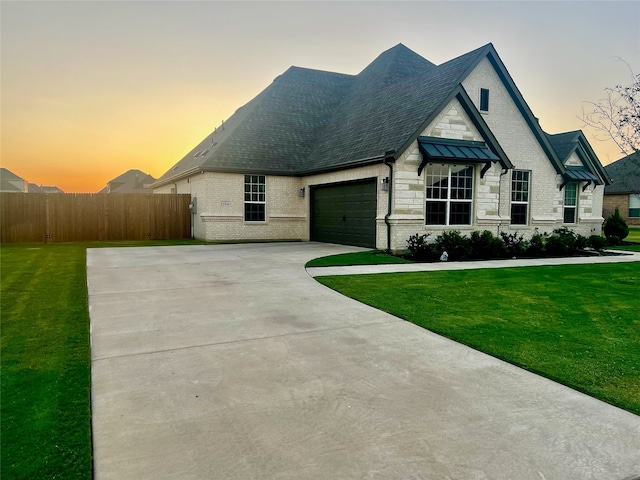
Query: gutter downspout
column 503, row 173
column 389, row 157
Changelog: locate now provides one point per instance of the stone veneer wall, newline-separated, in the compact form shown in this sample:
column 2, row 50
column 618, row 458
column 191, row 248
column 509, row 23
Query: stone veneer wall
column 492, row 194
column 220, row 208
column 222, row 211
column 220, row 204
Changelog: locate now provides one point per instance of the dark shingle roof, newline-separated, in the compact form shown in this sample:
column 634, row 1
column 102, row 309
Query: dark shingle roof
column 310, row 120
column 564, row 143
column 625, row 175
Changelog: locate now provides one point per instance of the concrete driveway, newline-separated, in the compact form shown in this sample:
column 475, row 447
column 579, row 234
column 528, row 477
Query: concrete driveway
column 231, row 362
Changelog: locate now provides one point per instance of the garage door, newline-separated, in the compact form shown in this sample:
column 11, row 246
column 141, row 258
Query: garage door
column 344, row 213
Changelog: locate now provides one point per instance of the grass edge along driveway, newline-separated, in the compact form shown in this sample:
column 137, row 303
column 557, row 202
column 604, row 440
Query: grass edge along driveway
column 575, row 324
column 45, row 359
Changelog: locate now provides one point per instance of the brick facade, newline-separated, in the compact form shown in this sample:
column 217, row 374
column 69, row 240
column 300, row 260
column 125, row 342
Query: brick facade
column 620, row 201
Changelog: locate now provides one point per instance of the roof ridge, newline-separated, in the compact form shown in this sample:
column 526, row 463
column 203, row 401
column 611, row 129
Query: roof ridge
column 316, row 70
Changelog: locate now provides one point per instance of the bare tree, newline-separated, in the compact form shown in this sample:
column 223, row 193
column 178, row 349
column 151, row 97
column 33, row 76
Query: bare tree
column 617, row 116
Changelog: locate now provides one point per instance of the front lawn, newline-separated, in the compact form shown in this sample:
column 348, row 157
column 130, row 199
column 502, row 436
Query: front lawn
column 45, row 359
column 575, row 324
column 634, row 235
column 371, row 257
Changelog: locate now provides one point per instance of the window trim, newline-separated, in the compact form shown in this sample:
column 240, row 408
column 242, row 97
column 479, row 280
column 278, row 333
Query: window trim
column 565, row 207
column 634, row 211
column 448, row 201
column 527, row 203
column 248, row 181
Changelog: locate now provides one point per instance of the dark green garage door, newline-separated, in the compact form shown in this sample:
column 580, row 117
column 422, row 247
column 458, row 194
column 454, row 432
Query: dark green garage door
column 344, row 213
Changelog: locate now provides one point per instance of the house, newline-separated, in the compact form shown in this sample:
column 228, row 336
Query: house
column 10, row 182
column 403, row 147
column 50, row 189
column 131, row 181
column 624, row 191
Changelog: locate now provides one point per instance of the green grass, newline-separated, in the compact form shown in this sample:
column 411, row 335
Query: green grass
column 626, row 248
column 45, row 360
column 634, row 235
column 576, row 324
column 372, row 257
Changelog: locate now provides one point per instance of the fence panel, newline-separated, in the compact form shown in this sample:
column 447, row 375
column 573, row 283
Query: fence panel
column 23, row 217
column 70, row 217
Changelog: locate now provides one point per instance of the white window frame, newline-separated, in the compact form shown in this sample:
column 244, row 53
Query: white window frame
column 575, row 185
column 254, row 195
column 524, row 193
column 448, row 200
column 634, row 204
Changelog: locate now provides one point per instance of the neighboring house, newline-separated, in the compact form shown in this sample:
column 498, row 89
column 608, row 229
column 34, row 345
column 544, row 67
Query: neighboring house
column 10, row 182
column 50, row 189
column 131, row 181
column 624, row 191
column 33, row 188
column 403, row 147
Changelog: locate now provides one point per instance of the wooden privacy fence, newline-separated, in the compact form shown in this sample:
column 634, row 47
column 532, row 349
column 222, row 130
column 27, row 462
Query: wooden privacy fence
column 70, row 217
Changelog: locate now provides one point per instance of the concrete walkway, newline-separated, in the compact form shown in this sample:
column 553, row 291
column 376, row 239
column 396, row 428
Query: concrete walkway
column 231, row 362
column 430, row 267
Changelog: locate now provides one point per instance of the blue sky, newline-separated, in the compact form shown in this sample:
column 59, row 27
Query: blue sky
column 91, row 89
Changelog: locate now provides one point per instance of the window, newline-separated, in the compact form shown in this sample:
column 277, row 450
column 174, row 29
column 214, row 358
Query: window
column 519, row 197
column 254, row 198
column 484, row 99
column 570, row 202
column 449, row 194
column 634, row 205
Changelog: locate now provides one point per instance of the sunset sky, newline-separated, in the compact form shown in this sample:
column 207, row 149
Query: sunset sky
column 91, row 89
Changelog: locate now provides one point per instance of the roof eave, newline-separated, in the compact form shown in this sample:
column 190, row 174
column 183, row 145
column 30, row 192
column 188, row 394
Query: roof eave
column 523, row 107
column 174, row 178
column 461, row 95
column 344, row 166
column 596, row 163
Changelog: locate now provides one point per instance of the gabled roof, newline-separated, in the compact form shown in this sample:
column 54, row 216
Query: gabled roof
column 131, row 181
column 564, row 144
column 33, row 188
column 625, row 175
column 310, row 121
column 305, row 120
column 10, row 182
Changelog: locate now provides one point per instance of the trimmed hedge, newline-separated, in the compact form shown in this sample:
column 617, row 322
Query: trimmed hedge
column 484, row 245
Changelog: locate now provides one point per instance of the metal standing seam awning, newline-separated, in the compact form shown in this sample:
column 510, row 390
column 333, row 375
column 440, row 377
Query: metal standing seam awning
column 435, row 149
column 579, row 174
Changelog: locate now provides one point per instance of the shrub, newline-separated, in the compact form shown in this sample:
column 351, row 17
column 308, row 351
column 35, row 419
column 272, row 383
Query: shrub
column 597, row 242
column 614, row 240
column 581, row 242
column 615, row 226
column 561, row 243
column 536, row 246
column 419, row 248
column 456, row 245
column 485, row 245
column 515, row 244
